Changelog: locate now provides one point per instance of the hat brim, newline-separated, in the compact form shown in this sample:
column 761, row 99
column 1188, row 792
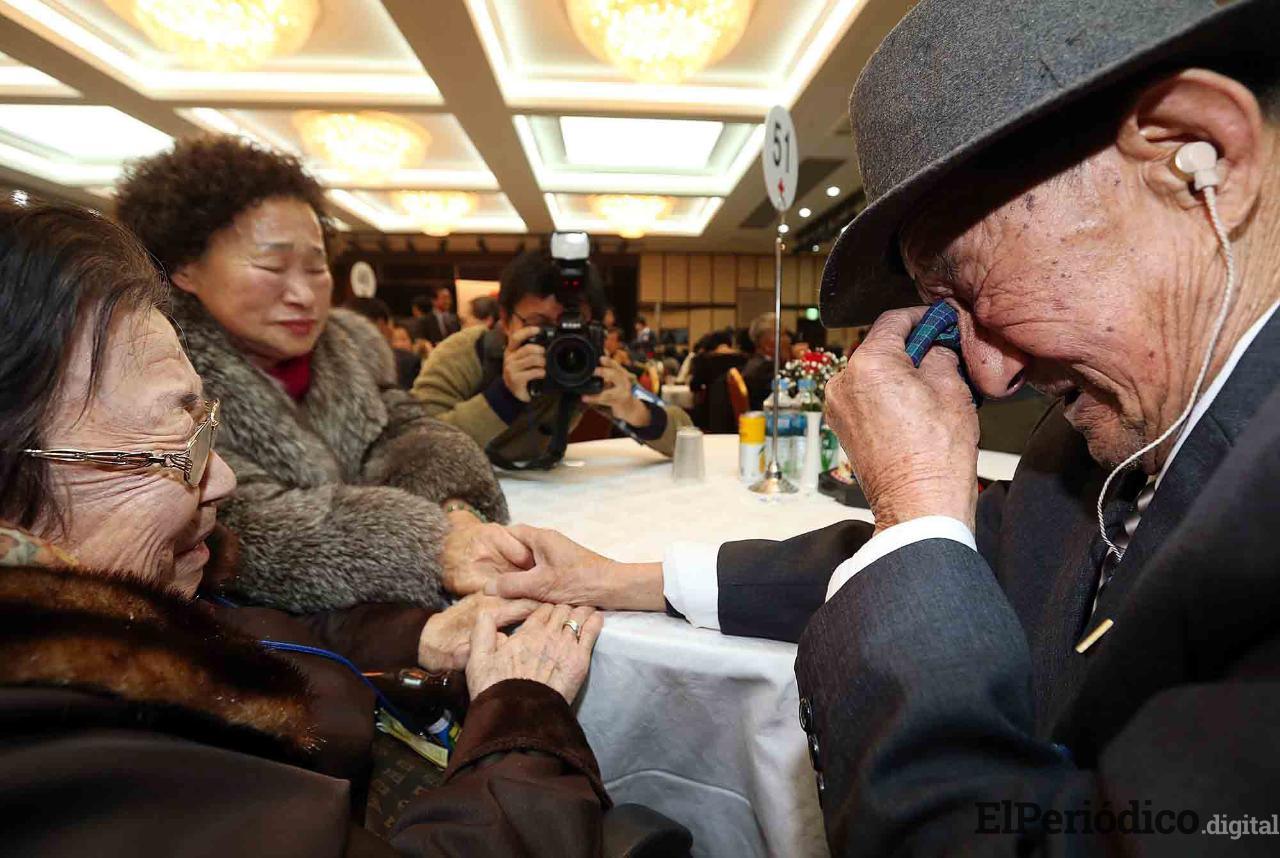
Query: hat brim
column 864, row 276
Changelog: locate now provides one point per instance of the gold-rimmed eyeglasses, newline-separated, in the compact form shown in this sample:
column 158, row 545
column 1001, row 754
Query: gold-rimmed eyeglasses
column 191, row 461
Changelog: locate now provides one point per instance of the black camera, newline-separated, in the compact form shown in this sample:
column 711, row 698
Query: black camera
column 574, row 346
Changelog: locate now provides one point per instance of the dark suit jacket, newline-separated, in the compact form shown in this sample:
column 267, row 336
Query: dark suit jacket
column 758, row 374
column 939, row 681
column 428, row 327
column 407, row 366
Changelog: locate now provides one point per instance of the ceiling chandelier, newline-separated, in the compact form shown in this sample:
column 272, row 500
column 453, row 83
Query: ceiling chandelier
column 659, row 41
column 435, row 212
column 367, row 145
column 223, row 35
column 631, row 214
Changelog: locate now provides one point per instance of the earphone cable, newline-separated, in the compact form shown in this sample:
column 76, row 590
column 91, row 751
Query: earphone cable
column 1211, row 202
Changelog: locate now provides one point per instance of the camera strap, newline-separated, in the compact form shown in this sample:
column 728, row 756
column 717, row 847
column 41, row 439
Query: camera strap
column 555, row 451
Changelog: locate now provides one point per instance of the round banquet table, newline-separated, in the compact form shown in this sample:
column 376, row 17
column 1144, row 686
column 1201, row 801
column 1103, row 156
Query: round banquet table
column 695, row 724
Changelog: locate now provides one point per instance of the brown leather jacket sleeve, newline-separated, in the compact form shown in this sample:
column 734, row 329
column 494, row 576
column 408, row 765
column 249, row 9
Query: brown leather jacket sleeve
column 376, row 636
column 522, row 781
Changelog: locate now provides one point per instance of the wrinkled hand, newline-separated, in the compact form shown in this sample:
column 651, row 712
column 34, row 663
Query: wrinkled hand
column 563, row 572
column 476, row 553
column 542, row 650
column 911, row 434
column 616, row 395
column 445, row 641
column 523, row 362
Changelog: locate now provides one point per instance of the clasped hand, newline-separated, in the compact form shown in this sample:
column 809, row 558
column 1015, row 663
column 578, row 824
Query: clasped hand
column 465, row 635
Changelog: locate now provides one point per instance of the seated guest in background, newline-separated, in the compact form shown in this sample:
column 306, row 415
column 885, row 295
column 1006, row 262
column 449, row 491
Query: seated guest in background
column 614, row 348
column 758, row 371
column 479, row 380
column 484, row 312
column 419, row 309
column 685, row 370
column 645, row 341
column 712, row 357
column 159, row 722
column 380, row 502
column 433, row 318
column 610, row 318
column 983, row 652
column 798, row 351
column 407, row 361
column 400, row 339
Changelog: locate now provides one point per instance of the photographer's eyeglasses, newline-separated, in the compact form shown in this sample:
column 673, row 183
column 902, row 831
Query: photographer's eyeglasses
column 537, row 321
column 192, row 461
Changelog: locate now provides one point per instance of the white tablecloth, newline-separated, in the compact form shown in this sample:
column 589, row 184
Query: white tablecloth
column 698, row 725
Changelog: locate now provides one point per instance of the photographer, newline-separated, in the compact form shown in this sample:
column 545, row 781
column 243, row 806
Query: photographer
column 479, row 380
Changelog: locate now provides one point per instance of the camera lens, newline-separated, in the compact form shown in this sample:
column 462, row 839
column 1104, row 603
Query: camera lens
column 570, row 361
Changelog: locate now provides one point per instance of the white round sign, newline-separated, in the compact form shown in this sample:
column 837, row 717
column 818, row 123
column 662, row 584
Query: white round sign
column 781, row 158
column 364, row 283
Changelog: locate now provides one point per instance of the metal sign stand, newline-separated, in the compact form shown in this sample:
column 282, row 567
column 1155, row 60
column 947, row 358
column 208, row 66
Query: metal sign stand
column 773, row 482
column 780, row 159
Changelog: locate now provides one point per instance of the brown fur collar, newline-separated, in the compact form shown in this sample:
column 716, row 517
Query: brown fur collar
column 104, row 633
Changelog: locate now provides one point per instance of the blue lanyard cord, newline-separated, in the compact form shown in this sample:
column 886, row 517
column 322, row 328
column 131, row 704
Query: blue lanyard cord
column 221, row 600
column 280, row 646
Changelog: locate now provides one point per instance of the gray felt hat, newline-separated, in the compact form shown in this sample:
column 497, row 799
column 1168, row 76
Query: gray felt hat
column 956, row 76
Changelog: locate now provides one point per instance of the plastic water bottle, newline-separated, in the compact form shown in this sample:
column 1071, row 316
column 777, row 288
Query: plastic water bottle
column 809, row 454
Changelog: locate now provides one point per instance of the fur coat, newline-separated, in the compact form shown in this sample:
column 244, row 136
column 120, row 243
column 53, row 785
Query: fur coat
column 339, row 495
column 136, row 722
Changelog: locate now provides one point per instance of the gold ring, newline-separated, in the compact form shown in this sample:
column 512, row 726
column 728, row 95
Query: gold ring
column 572, row 625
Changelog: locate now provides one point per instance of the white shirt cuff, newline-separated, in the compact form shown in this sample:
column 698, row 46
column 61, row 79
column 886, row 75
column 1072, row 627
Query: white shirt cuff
column 899, row 536
column 691, row 583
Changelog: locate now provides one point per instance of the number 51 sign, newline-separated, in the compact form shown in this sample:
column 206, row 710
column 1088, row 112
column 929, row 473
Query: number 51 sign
column 781, row 158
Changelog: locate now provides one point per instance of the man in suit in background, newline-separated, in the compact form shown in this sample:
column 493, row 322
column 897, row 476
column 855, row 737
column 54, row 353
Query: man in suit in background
column 433, row 318
column 758, row 371
column 992, row 674
column 646, row 341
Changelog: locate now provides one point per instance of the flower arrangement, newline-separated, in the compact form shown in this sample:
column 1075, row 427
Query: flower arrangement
column 818, row 365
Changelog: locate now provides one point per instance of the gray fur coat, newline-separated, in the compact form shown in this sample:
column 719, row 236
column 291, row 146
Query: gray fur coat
column 339, row 496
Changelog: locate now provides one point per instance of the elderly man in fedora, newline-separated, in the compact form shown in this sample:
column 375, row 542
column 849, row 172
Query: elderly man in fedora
column 1065, row 664
column 1085, row 660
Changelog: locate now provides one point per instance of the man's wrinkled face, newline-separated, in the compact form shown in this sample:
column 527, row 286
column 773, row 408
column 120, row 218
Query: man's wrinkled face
column 1065, row 285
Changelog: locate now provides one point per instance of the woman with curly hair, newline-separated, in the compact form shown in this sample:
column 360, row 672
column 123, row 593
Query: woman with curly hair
column 348, row 492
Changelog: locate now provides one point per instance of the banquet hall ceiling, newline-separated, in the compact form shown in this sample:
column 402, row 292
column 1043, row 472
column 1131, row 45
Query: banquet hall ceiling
column 507, row 104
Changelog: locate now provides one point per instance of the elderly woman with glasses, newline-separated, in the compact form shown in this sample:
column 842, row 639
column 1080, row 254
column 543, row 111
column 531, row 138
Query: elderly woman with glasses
column 374, row 500
column 139, row 719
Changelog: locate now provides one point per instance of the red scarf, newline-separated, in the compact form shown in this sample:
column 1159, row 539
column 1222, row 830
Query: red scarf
column 294, row 375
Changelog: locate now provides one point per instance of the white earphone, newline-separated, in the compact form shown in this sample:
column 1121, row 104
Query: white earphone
column 1196, row 162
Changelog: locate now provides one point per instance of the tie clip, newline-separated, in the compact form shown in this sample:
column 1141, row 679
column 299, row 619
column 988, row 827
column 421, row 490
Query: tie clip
column 1093, row 636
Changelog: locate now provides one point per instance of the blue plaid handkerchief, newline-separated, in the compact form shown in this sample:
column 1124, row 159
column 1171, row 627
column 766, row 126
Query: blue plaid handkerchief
column 939, row 328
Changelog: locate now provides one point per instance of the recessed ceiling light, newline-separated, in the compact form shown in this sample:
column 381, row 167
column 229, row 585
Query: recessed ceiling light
column 19, row 198
column 817, row 247
column 659, row 42
column 368, row 144
column 116, row 136
column 639, row 144
column 436, row 213
column 783, row 229
column 631, row 214
column 833, row 191
column 223, row 35
column 805, row 212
